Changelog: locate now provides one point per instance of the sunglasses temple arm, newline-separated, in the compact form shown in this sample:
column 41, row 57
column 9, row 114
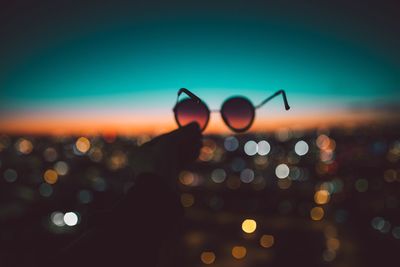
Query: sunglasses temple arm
column 188, row 93
column 287, row 107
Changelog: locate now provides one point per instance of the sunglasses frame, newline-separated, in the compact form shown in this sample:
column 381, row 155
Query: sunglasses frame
column 198, row 101
column 225, row 119
column 194, row 97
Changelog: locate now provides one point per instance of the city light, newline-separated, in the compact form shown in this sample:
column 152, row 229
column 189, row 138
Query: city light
column 50, row 176
column 207, row 257
column 277, row 186
column 10, row 175
column 301, row 148
column 231, row 143
column 82, row 145
column 267, row 241
column 282, row 171
column 250, row 148
column 317, row 213
column 249, row 226
column 70, row 218
column 24, row 146
column 321, row 197
column 187, row 200
column 218, row 176
column 239, row 252
column 263, row 148
column 61, row 167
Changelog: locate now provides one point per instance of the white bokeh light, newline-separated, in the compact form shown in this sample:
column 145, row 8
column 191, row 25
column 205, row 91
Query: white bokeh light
column 250, row 148
column 282, row 171
column 247, row 176
column 301, row 148
column 57, row 218
column 263, row 148
column 70, row 218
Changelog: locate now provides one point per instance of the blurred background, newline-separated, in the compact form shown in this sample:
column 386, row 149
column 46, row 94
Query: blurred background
column 85, row 83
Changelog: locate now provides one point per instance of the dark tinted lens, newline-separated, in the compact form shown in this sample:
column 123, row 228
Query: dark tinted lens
column 188, row 111
column 238, row 113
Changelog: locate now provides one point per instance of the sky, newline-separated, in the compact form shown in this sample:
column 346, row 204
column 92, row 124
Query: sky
column 75, row 66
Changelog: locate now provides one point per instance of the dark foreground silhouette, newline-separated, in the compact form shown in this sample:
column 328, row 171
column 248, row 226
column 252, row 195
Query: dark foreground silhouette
column 143, row 228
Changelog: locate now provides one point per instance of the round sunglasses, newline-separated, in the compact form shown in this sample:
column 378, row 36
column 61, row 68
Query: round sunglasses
column 237, row 112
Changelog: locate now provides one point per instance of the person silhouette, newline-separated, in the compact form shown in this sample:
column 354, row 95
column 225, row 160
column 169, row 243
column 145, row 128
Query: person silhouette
column 143, row 228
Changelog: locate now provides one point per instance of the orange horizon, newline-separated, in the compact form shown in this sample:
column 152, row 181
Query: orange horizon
column 151, row 125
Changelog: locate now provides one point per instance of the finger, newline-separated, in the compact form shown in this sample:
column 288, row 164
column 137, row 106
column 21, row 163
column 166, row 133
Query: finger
column 184, row 132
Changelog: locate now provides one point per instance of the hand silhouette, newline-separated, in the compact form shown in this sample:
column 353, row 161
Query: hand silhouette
column 167, row 154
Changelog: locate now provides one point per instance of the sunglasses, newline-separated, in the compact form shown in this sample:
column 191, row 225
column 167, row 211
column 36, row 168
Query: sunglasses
column 237, row 112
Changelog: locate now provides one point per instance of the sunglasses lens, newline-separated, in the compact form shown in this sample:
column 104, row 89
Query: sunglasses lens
column 188, row 111
column 238, row 113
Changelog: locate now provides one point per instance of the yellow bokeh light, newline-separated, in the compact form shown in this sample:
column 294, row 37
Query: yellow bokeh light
column 118, row 160
column 317, row 213
column 208, row 150
column 187, row 200
column 82, row 144
column 249, row 226
column 323, row 141
column 50, row 176
column 207, row 257
column 186, row 178
column 239, row 252
column 24, row 146
column 333, row 243
column 321, row 197
column 330, row 231
column 267, row 241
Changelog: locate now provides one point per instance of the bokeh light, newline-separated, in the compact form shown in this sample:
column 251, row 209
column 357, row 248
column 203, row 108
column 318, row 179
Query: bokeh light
column 218, row 176
column 267, row 241
column 207, row 257
column 82, row 145
column 317, row 213
column 301, row 148
column 57, row 218
column 333, row 243
column 186, row 178
column 263, row 148
column 250, row 148
column 247, row 176
column 249, row 226
column 45, row 190
column 231, row 143
column 50, row 154
column 61, row 167
column 239, row 252
column 70, row 218
column 50, row 176
column 10, row 175
column 187, row 200
column 24, row 146
column 321, row 197
column 282, row 171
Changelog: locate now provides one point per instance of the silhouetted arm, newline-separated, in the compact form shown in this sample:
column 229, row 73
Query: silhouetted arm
column 134, row 232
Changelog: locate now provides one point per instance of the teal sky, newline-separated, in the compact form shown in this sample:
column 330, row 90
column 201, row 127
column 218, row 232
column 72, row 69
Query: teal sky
column 139, row 61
